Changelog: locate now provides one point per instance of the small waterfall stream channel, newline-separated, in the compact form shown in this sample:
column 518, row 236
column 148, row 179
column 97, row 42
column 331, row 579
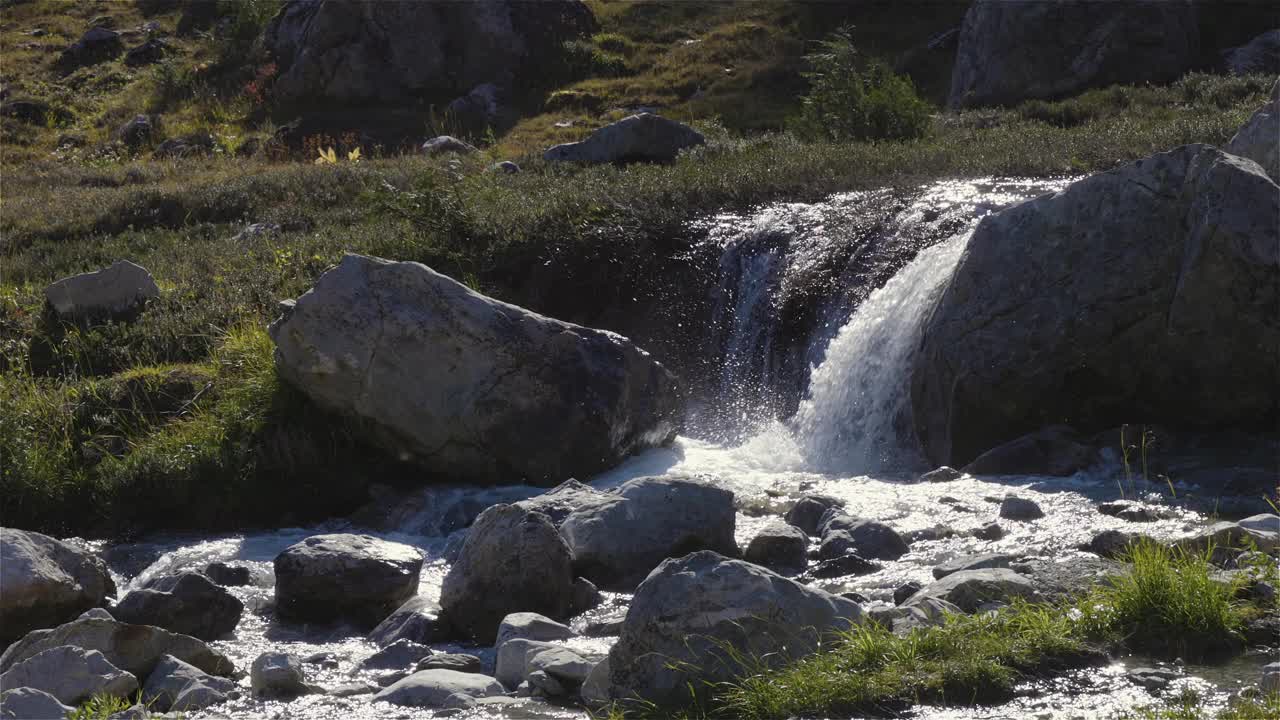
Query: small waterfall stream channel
column 815, row 327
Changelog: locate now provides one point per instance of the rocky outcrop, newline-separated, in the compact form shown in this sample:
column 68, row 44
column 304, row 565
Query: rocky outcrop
column 648, row 520
column 406, row 53
column 112, row 293
column 440, row 689
column 512, row 561
column 190, row 604
column 1259, row 139
column 70, row 674
column 133, row 648
column 1147, row 291
column 1014, row 51
column 690, row 609
column 175, row 685
column 345, row 578
column 640, row 138
column 474, row 389
column 46, row 582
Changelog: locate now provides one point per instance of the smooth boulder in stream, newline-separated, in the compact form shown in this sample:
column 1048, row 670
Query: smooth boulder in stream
column 645, row 521
column 690, row 609
column 474, row 389
column 513, row 561
column 133, row 648
column 46, row 582
column 345, row 578
column 1146, row 291
column 189, row 603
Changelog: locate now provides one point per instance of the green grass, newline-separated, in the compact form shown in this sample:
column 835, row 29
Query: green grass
column 1168, row 604
column 101, row 707
column 601, row 232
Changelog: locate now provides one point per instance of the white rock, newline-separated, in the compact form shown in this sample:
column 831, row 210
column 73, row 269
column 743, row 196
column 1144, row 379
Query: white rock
column 112, row 292
column 438, row 688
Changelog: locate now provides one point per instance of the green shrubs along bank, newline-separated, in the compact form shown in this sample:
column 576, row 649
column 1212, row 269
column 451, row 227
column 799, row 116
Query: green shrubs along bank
column 76, row 454
column 981, row 658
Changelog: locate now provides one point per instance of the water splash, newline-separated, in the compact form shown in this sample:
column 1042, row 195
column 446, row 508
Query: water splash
column 857, row 418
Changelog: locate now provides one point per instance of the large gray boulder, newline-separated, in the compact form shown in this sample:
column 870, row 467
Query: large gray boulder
column 690, row 609
column 112, row 293
column 402, row 52
column 643, row 137
column 440, row 689
column 345, row 578
column 475, row 389
column 648, row 520
column 1146, row 291
column 563, row 500
column 70, row 674
column 31, row 704
column 1014, row 51
column 779, row 546
column 1259, row 55
column 133, row 648
column 530, row 626
column 971, row 590
column 46, row 582
column 842, row 534
column 189, row 603
column 512, row 561
column 1259, row 139
column 175, row 685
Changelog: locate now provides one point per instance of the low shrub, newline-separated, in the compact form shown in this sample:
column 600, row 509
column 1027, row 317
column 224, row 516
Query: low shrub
column 853, row 98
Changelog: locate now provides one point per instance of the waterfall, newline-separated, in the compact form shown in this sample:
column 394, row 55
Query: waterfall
column 818, row 310
column 857, row 417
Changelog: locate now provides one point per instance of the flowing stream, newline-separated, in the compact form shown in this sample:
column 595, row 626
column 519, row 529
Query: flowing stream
column 842, row 433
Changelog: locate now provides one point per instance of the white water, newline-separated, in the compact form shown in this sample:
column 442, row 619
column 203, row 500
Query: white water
column 845, row 441
column 856, row 419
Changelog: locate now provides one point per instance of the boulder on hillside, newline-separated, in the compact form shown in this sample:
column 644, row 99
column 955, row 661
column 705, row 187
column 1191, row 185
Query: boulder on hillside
column 1259, row 139
column 512, row 561
column 640, row 138
column 648, row 520
column 133, row 648
column 1146, row 291
column 474, row 389
column 1014, row 51
column 446, row 145
column 98, row 44
column 46, row 582
column 175, row 685
column 403, row 52
column 31, row 704
column 689, row 609
column 1259, row 55
column 70, row 674
column 345, row 578
column 190, row 604
column 112, row 293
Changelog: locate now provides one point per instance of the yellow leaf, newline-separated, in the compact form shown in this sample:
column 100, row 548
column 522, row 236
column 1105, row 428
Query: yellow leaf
column 354, row 155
